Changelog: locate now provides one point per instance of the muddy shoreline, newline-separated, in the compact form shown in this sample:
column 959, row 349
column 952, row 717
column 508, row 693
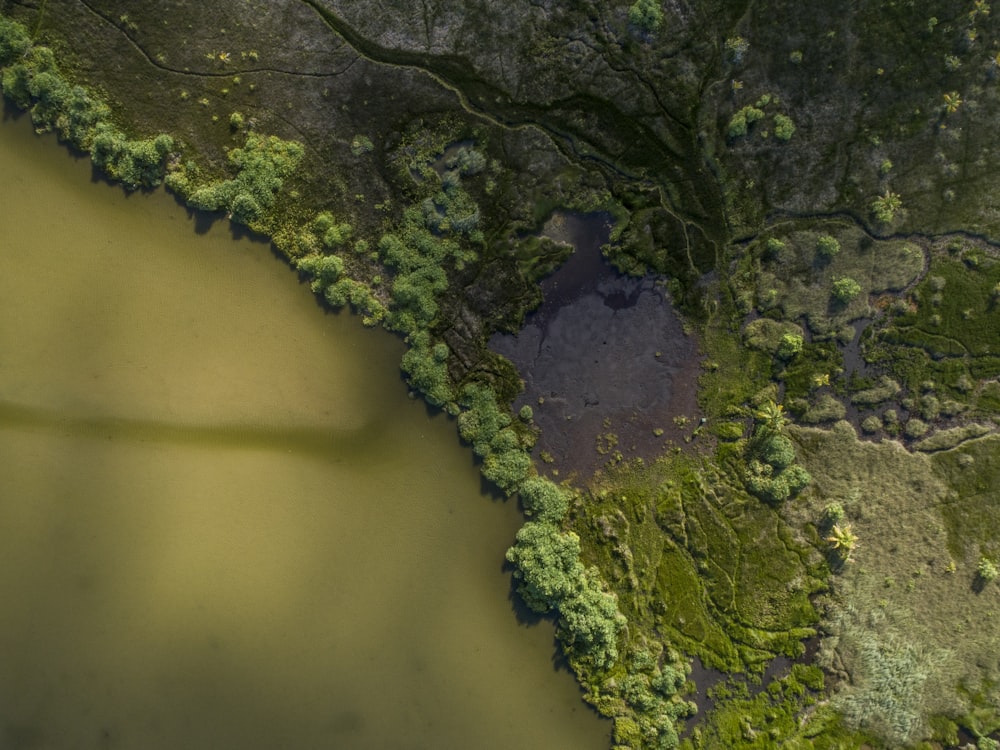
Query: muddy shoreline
column 606, row 363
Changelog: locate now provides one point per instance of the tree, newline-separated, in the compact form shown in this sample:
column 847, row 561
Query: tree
column 886, row 206
column 771, row 416
column 842, row 540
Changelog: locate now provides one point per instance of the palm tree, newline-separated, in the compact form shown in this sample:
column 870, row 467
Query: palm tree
column 771, row 415
column 842, row 540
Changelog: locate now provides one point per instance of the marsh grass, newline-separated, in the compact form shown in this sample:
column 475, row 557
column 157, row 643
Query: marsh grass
column 803, row 272
column 693, row 556
column 906, row 628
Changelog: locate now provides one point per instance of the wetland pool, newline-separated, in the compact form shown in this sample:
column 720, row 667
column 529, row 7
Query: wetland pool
column 222, row 522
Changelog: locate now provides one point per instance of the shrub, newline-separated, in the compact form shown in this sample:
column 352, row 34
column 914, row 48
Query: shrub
column 361, row 144
column 262, row 164
column 507, row 469
column 871, row 424
column 526, row 413
column 646, row 14
column 778, row 451
column 846, row 289
column 774, row 247
column 548, row 565
column 589, row 622
column 741, row 121
column 827, row 246
column 737, row 47
column 468, row 162
column 483, row 418
column 543, row 500
column 886, row 206
column 14, row 40
column 915, row 428
column 790, row 345
column 832, row 514
column 784, row 128
column 427, row 369
column 987, row 570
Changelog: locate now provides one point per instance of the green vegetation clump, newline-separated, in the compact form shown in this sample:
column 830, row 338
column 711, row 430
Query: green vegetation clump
column 740, row 122
column 552, row 578
column 771, row 473
column 886, row 206
column 987, row 570
column 646, row 14
column 784, row 128
column 827, row 246
column 32, row 80
column 262, row 165
column 361, row 144
column 845, row 289
column 789, row 346
column 14, row 41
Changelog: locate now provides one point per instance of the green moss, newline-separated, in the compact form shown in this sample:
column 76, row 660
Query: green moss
column 691, row 554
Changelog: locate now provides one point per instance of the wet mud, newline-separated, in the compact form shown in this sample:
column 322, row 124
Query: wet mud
column 605, row 360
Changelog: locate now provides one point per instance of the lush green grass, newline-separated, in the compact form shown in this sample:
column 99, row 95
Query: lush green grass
column 788, row 713
column 694, row 556
column 946, row 333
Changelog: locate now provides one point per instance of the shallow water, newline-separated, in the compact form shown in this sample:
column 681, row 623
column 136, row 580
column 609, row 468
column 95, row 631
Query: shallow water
column 222, row 523
column 605, row 359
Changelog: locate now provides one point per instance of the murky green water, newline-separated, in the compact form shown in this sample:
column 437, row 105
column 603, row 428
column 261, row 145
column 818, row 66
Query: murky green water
column 222, row 523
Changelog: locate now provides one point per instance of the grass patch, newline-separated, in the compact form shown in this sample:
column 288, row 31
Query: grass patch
column 694, row 556
column 798, row 278
column 910, row 632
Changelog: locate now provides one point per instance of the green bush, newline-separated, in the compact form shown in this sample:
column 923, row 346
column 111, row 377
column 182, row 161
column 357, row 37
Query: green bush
column 324, row 269
column 784, row 128
column 987, row 570
column 846, row 289
column 426, row 368
column 507, row 469
column 886, row 206
column 646, row 14
column 77, row 116
column 589, row 622
column 262, row 164
column 543, row 500
column 789, row 346
column 827, row 246
column 741, row 121
column 14, row 40
column 483, row 419
column 547, row 564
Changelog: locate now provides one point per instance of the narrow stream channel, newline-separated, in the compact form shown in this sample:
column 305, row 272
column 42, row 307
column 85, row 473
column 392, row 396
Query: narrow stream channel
column 222, row 523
